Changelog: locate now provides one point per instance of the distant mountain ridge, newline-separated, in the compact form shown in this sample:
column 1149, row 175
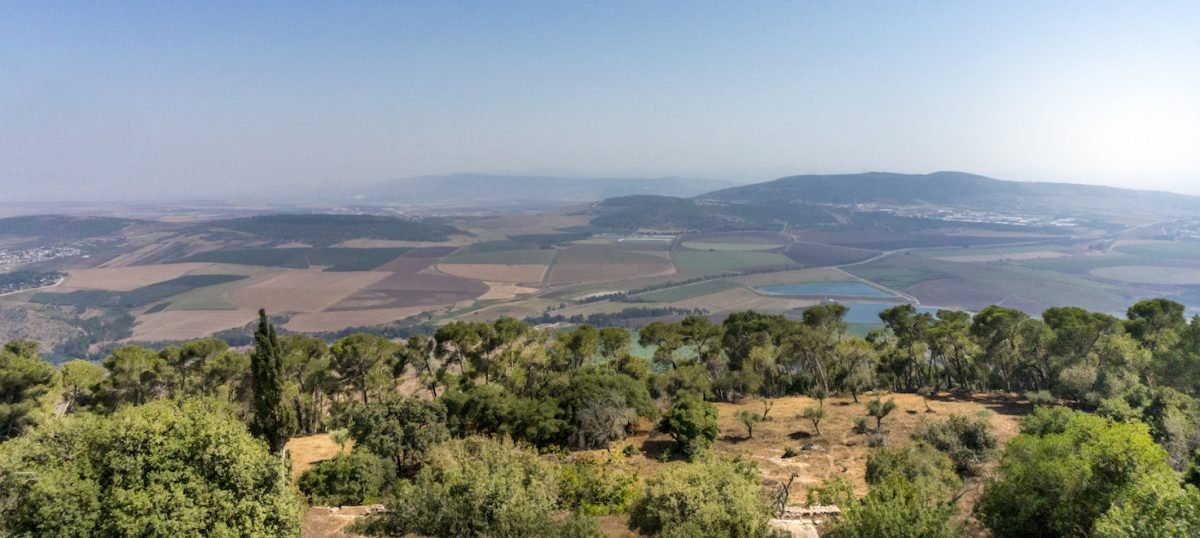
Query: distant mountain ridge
column 951, row 189
column 479, row 189
column 835, row 202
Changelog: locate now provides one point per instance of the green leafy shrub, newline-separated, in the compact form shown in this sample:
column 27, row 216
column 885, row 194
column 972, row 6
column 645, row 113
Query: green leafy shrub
column 968, row 441
column 595, row 489
column 718, row 499
column 356, row 478
column 693, row 424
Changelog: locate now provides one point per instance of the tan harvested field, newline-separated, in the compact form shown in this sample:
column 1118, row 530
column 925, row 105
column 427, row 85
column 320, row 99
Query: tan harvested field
column 1015, row 256
column 496, row 272
column 400, row 290
column 127, row 278
column 304, row 290
column 582, row 272
column 517, row 310
column 504, row 291
column 744, row 299
column 338, row 320
column 188, row 324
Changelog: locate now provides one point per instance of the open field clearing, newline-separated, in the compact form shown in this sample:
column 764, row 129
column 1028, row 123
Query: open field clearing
column 601, row 254
column 606, row 272
column 1083, row 265
column 188, row 324
column 694, row 262
column 824, row 289
column 400, row 290
column 216, row 297
column 876, row 240
column 454, row 241
column 496, row 272
column 516, row 310
column 307, row 451
column 1004, row 257
column 728, row 244
column 134, row 298
column 338, row 320
column 817, row 255
column 956, row 293
column 818, row 274
column 1186, row 250
column 690, row 291
column 744, row 299
column 127, row 278
column 503, row 291
column 1148, row 274
column 1042, row 287
column 303, row 291
column 521, row 256
column 334, row 259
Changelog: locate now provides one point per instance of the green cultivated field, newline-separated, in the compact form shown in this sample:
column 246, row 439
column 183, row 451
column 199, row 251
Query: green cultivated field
column 690, row 291
column 336, row 259
column 703, row 262
column 604, row 254
column 134, row 298
column 1187, row 250
column 733, row 247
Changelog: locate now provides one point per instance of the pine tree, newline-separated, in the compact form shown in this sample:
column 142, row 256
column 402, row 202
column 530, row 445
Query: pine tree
column 272, row 421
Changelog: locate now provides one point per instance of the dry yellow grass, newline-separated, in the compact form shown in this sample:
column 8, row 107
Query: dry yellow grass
column 497, row 272
column 127, row 278
column 311, row 450
column 304, row 291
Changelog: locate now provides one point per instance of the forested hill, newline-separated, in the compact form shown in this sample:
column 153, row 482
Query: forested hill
column 953, row 189
column 835, row 202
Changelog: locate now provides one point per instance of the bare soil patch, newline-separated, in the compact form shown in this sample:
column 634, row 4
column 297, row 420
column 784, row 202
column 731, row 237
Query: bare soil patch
column 188, row 324
column 504, row 291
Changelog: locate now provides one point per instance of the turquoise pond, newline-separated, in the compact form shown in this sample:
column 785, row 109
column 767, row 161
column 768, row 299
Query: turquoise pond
column 824, row 289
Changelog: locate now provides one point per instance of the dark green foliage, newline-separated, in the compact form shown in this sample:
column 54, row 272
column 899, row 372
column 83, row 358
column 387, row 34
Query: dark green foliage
column 26, row 280
column 477, row 487
column 136, row 298
column 335, row 259
column 879, row 409
column 968, row 441
column 163, row 469
column 136, row 375
column 692, row 422
column 62, row 228
column 923, row 466
column 24, row 379
column 402, row 430
column 1060, row 483
column 894, row 509
column 324, row 230
column 272, row 419
column 356, row 478
column 718, row 499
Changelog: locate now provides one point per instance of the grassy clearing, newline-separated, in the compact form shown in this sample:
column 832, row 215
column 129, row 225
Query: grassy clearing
column 690, row 291
column 1040, row 286
column 1149, row 274
column 1184, row 250
column 502, row 252
column 703, row 262
column 604, row 254
column 729, row 247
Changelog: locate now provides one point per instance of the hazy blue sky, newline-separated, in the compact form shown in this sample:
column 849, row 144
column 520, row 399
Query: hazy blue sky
column 105, row 99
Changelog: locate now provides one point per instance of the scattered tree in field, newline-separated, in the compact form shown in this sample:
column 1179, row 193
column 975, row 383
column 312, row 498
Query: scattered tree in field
column 272, row 420
column 716, row 499
column 749, row 419
column 692, row 422
column 162, row 469
column 814, row 415
column 878, row 409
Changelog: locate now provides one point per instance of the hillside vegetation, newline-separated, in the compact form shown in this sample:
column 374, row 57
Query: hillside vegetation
column 492, row 428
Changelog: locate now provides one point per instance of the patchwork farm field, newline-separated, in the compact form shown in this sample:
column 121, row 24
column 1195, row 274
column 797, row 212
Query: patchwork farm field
column 696, row 262
column 690, row 291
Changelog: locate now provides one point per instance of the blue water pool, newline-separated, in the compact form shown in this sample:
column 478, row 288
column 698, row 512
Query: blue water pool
column 825, row 289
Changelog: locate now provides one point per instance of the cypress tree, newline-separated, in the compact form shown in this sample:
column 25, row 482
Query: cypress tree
column 272, row 420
